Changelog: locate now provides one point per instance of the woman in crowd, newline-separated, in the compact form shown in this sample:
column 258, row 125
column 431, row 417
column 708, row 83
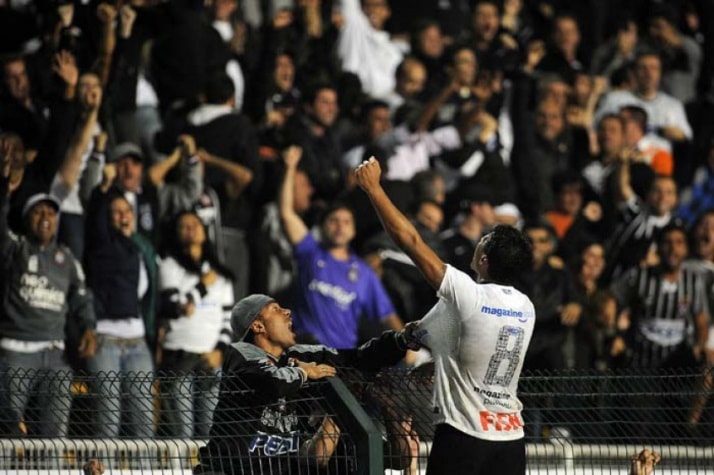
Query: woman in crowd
column 196, row 294
column 121, row 271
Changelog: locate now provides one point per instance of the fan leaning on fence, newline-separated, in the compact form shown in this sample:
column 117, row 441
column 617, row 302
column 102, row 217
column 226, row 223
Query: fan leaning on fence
column 260, row 424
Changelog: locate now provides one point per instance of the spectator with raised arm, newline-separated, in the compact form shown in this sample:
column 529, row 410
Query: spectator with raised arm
column 43, row 290
column 495, row 48
column 617, row 51
column 335, row 289
column 681, row 55
column 130, row 90
column 365, row 48
column 644, row 462
column 45, row 154
column 178, row 179
column 639, row 221
column 227, row 145
column 81, row 168
column 275, row 269
column 122, row 273
column 673, row 333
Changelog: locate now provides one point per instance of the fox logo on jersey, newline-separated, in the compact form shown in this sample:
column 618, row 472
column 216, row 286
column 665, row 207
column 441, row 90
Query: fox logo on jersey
column 500, row 421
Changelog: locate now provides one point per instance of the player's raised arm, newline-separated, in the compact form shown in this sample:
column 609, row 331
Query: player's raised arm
column 399, row 228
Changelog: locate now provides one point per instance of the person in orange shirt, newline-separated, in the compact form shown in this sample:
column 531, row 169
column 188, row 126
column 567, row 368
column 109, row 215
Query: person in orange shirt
column 652, row 149
column 572, row 218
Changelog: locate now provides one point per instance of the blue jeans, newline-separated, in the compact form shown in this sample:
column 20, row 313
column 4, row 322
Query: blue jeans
column 189, row 394
column 124, row 374
column 46, row 377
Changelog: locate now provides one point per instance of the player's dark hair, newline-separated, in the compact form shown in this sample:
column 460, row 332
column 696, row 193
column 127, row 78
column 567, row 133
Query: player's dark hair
column 509, row 254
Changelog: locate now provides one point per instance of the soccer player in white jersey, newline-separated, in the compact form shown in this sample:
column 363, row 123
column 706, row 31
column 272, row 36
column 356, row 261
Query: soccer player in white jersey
column 478, row 334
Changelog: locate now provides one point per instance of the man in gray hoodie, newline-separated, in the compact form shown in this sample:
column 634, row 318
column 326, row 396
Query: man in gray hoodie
column 42, row 290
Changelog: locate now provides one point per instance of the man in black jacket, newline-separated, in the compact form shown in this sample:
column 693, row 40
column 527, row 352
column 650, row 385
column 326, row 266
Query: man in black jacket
column 259, row 426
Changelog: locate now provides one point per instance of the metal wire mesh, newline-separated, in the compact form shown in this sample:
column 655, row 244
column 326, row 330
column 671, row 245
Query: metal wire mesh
column 576, row 422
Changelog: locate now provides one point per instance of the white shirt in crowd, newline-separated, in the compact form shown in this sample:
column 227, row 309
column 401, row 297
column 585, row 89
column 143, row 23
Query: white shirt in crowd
column 411, row 150
column 210, row 321
column 70, row 201
column 662, row 111
column 368, row 53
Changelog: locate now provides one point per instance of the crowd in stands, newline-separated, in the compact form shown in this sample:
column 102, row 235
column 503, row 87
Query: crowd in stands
column 163, row 159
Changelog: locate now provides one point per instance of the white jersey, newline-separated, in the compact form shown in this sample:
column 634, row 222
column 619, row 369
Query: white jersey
column 209, row 324
column 478, row 335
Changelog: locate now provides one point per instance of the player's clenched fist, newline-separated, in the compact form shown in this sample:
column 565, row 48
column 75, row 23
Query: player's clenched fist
column 368, row 173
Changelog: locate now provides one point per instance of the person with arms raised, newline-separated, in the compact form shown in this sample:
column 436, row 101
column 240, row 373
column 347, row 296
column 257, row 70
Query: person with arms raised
column 336, row 291
column 478, row 334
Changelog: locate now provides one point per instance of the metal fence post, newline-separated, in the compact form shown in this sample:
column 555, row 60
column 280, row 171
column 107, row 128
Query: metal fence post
column 367, row 438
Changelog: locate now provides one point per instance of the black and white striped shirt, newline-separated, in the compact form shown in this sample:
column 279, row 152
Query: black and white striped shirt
column 636, row 230
column 662, row 312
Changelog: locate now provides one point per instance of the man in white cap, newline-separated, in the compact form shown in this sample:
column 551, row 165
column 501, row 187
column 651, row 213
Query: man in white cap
column 43, row 289
column 258, row 425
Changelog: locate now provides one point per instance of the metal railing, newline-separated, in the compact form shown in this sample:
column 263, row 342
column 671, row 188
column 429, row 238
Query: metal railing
column 576, row 422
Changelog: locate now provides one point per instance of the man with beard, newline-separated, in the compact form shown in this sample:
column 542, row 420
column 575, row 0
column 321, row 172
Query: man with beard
column 666, row 303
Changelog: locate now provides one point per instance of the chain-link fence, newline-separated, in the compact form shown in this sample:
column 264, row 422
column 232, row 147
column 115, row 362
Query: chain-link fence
column 576, row 422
